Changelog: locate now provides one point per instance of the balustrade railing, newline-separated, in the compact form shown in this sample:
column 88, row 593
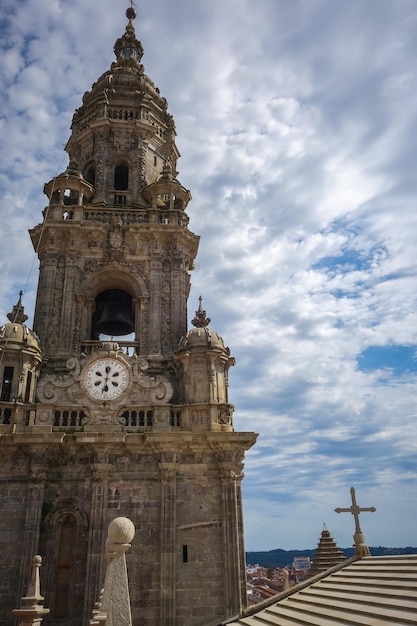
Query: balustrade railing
column 107, row 216
column 88, row 346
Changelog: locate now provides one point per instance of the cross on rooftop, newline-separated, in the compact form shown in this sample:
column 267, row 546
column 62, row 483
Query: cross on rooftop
column 360, row 547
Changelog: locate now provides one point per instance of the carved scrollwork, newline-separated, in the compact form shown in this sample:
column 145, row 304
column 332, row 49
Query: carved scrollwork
column 74, row 365
column 150, row 389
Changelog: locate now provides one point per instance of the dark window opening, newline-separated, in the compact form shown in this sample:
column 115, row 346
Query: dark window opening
column 185, row 554
column 28, row 387
column 121, row 177
column 70, row 197
column 5, row 416
column 6, row 388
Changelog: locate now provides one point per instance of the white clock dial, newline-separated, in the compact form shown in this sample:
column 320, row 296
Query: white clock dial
column 106, row 379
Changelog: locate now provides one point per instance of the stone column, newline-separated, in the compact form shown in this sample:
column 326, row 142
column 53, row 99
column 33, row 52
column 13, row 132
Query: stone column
column 178, row 324
column 155, row 308
column 68, row 316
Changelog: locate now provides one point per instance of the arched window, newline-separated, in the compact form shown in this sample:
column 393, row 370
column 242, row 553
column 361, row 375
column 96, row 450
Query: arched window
column 6, row 388
column 64, row 542
column 90, row 175
column 121, row 177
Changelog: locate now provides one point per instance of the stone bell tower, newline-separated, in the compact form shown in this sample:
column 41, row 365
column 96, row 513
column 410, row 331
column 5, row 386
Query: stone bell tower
column 110, row 406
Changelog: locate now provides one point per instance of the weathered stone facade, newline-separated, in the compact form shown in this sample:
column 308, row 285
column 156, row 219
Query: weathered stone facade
column 93, row 428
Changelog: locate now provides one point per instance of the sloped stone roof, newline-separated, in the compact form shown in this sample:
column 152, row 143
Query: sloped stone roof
column 368, row 591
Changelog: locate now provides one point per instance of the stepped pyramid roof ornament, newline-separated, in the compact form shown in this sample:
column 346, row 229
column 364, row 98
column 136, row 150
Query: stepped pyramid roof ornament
column 201, row 320
column 327, row 554
column 17, row 315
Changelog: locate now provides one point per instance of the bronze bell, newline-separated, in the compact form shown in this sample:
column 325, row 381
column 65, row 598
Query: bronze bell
column 114, row 316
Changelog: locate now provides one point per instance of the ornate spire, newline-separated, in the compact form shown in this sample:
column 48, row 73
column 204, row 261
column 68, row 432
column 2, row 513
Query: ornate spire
column 17, row 315
column 201, row 320
column 128, row 49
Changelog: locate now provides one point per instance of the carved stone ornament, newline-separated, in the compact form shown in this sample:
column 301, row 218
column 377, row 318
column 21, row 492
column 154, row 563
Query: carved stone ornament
column 102, row 383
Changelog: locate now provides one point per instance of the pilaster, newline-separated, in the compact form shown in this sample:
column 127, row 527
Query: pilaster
column 234, row 555
column 30, row 540
column 95, row 557
column 167, row 615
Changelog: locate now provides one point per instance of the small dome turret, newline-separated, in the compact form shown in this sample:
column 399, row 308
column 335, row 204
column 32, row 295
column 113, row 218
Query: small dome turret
column 201, row 336
column 15, row 335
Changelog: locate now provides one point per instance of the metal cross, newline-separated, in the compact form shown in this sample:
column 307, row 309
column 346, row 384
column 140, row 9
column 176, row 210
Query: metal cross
column 355, row 510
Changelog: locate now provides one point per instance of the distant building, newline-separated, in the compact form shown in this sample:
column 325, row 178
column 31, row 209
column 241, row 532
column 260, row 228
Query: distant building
column 301, row 563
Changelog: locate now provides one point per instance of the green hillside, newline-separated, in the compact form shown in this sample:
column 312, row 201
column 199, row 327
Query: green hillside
column 282, row 558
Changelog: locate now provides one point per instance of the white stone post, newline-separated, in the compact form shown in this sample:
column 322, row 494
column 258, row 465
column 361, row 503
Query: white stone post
column 114, row 607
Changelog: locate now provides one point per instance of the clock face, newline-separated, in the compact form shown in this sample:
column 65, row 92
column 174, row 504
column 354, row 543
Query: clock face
column 106, row 379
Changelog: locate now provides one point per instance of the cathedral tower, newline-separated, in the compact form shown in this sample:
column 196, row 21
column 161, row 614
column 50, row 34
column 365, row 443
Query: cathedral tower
column 110, row 406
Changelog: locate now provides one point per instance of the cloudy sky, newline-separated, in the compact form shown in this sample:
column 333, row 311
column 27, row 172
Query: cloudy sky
column 297, row 125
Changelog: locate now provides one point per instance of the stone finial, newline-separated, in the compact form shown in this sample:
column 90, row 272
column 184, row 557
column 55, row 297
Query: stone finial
column 130, row 12
column 17, row 315
column 120, row 534
column 32, row 612
column 113, row 608
column 201, row 320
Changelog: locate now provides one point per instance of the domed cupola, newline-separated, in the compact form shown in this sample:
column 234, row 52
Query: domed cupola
column 20, row 361
column 122, row 135
column 204, row 364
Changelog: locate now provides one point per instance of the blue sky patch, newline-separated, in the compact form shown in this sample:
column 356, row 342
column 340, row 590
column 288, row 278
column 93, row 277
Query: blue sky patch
column 345, row 262
column 398, row 359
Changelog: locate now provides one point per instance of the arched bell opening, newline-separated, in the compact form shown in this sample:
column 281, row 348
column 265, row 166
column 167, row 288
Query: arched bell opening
column 113, row 315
